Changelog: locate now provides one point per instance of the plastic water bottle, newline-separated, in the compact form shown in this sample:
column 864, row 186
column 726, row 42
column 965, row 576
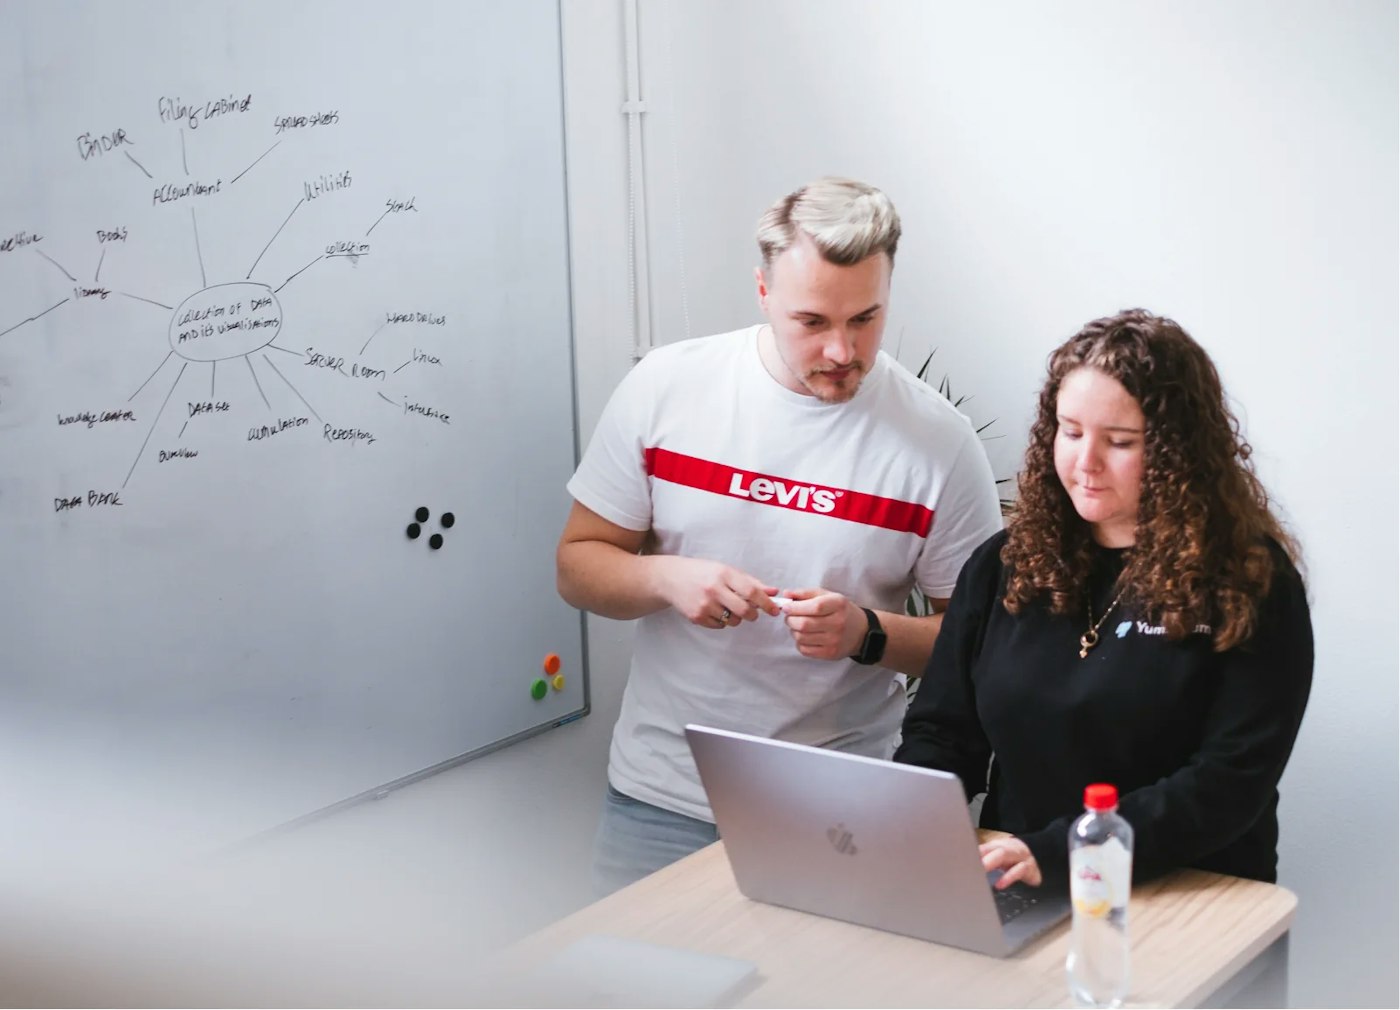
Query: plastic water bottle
column 1100, row 879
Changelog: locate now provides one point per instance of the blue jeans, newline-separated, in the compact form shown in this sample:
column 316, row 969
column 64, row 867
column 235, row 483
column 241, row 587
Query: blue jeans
column 636, row 838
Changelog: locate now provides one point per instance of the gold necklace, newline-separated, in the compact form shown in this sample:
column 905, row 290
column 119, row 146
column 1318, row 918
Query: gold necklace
column 1090, row 638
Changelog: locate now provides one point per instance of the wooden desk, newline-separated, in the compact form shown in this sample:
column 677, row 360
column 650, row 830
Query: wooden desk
column 1191, row 932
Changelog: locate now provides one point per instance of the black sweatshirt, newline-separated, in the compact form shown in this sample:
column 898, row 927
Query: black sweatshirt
column 1194, row 740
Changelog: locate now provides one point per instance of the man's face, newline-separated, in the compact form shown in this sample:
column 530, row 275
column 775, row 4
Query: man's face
column 827, row 320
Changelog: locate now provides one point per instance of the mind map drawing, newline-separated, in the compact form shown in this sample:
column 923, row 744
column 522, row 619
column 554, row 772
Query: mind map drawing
column 229, row 336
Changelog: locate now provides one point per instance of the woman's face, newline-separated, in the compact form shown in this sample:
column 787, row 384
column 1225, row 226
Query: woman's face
column 1099, row 453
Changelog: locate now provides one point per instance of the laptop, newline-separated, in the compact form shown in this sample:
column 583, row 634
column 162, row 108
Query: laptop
column 871, row 842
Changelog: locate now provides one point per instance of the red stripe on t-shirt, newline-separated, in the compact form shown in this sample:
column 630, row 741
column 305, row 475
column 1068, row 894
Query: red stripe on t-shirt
column 766, row 489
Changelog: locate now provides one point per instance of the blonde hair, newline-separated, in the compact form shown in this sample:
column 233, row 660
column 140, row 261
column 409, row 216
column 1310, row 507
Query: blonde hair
column 846, row 220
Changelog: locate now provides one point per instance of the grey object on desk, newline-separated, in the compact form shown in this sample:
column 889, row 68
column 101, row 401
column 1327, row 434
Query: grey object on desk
column 599, row 970
column 303, row 271
column 867, row 841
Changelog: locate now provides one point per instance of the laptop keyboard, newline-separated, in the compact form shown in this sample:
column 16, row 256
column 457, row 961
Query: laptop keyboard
column 1013, row 901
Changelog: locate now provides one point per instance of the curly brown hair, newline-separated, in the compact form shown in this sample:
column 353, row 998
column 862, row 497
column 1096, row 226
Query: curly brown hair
column 1201, row 548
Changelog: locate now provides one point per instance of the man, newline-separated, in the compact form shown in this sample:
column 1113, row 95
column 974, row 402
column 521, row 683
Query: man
column 792, row 460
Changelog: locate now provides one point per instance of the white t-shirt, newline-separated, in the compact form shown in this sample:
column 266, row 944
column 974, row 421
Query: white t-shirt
column 702, row 446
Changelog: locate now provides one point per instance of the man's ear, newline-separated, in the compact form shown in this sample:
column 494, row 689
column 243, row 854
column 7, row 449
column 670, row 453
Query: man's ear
column 762, row 284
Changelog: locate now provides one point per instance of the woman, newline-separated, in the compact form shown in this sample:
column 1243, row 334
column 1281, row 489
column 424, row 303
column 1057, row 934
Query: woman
column 1140, row 622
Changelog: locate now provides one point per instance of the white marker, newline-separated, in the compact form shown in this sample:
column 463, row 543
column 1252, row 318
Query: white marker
column 783, row 602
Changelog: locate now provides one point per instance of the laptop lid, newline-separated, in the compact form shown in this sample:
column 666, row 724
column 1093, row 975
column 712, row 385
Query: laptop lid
column 872, row 842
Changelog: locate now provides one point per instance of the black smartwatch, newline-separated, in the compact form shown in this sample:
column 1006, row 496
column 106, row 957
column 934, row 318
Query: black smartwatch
column 872, row 649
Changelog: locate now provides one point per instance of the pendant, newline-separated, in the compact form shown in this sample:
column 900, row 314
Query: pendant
column 1087, row 641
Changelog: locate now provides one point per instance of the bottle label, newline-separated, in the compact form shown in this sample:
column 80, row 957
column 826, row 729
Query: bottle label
column 1100, row 878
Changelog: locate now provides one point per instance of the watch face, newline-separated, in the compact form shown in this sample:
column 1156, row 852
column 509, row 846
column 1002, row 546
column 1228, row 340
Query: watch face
column 874, row 649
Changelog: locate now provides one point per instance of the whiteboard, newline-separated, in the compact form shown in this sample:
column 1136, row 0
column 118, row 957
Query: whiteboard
column 273, row 278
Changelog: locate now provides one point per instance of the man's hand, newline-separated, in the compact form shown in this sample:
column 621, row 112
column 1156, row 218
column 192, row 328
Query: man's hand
column 603, row 567
column 824, row 625
column 711, row 594
column 1012, row 856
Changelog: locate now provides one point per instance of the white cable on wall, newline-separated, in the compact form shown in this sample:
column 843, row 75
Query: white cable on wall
column 674, row 130
column 638, row 270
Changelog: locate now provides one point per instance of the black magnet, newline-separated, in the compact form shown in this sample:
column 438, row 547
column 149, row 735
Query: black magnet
column 413, row 530
column 447, row 520
column 435, row 541
column 421, row 515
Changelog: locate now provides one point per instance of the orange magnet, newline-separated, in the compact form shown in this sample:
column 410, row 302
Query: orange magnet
column 552, row 663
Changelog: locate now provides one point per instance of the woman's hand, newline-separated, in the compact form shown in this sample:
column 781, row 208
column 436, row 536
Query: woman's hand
column 1013, row 857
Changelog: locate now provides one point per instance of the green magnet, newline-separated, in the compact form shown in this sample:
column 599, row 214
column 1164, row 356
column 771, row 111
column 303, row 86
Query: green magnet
column 538, row 690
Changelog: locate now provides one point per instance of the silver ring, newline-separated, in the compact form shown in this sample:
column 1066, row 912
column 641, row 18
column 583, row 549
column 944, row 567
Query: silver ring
column 725, row 615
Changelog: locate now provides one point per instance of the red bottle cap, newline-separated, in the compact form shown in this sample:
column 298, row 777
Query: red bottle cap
column 1101, row 796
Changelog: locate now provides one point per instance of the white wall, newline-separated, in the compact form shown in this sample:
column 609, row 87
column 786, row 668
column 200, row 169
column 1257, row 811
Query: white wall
column 1231, row 165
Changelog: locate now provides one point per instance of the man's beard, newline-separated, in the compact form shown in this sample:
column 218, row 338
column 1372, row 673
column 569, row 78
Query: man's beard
column 818, row 383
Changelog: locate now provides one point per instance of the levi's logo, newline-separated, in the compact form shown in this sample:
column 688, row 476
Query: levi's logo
column 798, row 496
column 784, row 492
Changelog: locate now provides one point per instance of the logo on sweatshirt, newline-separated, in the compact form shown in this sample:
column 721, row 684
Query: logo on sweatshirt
column 786, row 492
column 1143, row 628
